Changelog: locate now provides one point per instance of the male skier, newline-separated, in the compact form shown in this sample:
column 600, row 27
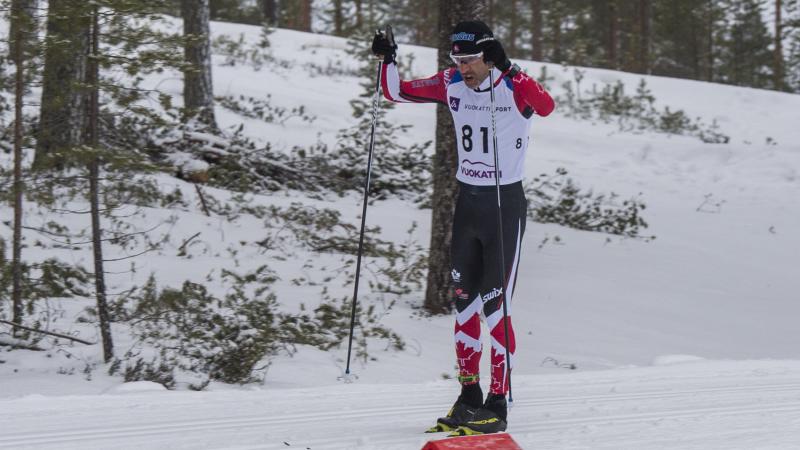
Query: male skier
column 474, row 247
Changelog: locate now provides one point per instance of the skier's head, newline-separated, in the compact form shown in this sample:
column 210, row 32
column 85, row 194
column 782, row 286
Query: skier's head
column 466, row 51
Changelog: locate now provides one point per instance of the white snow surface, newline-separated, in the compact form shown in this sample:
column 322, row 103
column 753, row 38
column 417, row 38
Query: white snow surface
column 689, row 341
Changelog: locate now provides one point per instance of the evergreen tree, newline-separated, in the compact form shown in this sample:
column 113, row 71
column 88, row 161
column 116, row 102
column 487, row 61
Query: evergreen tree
column 22, row 13
column 235, row 11
column 269, row 12
column 296, row 15
column 791, row 30
column 684, row 36
column 745, row 56
column 92, row 132
column 62, row 115
column 778, row 75
column 80, row 124
column 198, row 89
column 22, row 39
column 536, row 30
column 578, row 31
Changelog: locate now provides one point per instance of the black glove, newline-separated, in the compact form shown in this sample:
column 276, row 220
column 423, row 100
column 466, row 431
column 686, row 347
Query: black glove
column 385, row 47
column 493, row 53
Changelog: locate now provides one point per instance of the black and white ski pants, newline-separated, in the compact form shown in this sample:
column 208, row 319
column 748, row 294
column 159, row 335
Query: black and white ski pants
column 476, row 274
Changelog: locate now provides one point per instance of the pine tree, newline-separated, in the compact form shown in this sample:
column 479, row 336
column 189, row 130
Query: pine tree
column 21, row 43
column 62, row 116
column 198, row 89
column 579, row 30
column 778, row 75
column 536, row 30
column 115, row 35
column 269, row 11
column 92, row 132
column 296, row 15
column 791, row 28
column 745, row 57
column 235, row 11
column 643, row 35
column 683, row 35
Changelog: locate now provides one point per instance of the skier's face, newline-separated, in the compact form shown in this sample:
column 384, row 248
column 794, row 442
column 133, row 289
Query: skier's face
column 473, row 70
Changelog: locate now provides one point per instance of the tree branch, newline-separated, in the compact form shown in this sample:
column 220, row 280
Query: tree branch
column 49, row 333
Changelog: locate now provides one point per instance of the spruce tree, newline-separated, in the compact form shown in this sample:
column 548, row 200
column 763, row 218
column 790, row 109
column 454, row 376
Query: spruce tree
column 745, row 56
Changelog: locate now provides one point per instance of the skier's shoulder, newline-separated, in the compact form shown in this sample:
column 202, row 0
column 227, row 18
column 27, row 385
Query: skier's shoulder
column 451, row 76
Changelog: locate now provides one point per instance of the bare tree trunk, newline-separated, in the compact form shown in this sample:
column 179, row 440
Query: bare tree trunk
column 94, row 196
column 512, row 30
column 62, row 118
column 557, row 41
column 613, row 35
column 536, row 30
column 21, row 24
column 696, row 45
column 269, row 9
column 304, row 22
column 778, row 69
column 644, row 36
column 710, row 37
column 359, row 14
column 438, row 296
column 338, row 18
column 198, row 90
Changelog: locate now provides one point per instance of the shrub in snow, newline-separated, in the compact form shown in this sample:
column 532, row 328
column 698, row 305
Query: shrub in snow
column 633, row 113
column 255, row 108
column 42, row 281
column 557, row 199
column 191, row 330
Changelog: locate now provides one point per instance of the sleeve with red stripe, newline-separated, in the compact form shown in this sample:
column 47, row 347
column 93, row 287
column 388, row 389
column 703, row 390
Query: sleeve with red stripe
column 531, row 97
column 426, row 90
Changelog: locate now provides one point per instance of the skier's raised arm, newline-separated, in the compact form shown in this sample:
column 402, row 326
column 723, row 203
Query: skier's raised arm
column 426, row 90
column 529, row 96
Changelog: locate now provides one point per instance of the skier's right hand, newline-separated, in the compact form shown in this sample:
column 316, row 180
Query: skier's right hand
column 383, row 47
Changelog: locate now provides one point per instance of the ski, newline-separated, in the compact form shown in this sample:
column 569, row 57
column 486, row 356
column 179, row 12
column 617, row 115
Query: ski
column 440, row 428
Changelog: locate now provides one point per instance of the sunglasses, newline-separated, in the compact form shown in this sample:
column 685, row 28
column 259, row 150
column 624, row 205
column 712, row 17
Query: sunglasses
column 466, row 59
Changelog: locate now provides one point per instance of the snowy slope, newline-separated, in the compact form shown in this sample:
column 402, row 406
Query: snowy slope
column 718, row 285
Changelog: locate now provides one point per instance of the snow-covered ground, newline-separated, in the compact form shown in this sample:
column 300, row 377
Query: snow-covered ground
column 686, row 342
column 678, row 405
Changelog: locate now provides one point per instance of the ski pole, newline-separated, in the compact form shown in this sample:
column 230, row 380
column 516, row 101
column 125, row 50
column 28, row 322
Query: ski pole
column 375, row 99
column 500, row 236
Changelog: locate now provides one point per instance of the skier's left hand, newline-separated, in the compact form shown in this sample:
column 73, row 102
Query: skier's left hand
column 493, row 52
column 384, row 47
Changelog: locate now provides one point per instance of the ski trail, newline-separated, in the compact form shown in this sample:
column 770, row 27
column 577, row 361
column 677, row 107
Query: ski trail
column 713, row 405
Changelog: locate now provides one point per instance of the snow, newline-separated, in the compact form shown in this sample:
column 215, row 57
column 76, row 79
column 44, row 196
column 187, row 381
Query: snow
column 685, row 342
column 695, row 405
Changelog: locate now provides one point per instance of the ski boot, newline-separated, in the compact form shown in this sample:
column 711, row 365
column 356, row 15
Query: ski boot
column 491, row 418
column 461, row 412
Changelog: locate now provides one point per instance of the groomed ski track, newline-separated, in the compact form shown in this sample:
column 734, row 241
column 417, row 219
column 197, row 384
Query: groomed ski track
column 694, row 405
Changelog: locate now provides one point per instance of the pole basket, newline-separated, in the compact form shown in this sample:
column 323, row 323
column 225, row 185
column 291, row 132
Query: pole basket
column 497, row 441
column 347, row 378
